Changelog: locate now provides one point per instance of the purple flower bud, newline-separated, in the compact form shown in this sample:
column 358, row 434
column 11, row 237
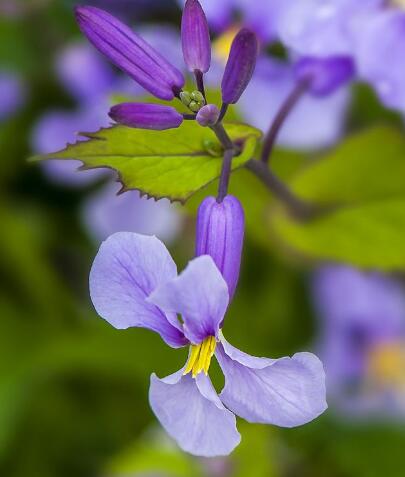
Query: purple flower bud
column 325, row 75
column 240, row 66
column 208, row 115
column 220, row 229
column 130, row 52
column 146, row 116
column 195, row 37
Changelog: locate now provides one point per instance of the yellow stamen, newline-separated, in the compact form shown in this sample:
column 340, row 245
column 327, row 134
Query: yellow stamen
column 222, row 45
column 200, row 357
column 387, row 364
column 398, row 3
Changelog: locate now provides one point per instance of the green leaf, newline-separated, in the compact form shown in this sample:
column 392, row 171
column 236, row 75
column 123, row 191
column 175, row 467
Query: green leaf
column 365, row 179
column 174, row 163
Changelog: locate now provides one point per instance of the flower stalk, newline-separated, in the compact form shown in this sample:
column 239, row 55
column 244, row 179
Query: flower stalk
column 291, row 101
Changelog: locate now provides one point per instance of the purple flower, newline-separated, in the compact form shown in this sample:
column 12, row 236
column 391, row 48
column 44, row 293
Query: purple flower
column 220, row 230
column 195, row 37
column 240, row 66
column 134, row 283
column 362, row 339
column 12, row 94
column 129, row 52
column 324, row 75
column 146, row 116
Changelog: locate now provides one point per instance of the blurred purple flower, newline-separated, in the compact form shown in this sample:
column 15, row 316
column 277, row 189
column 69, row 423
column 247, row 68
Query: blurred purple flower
column 362, row 339
column 314, row 123
column 105, row 213
column 57, row 128
column 84, row 73
column 322, row 27
column 134, row 283
column 12, row 94
column 372, row 32
column 380, row 55
column 324, row 75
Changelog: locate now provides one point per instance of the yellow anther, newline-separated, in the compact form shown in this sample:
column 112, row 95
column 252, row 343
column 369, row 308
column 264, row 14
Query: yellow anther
column 387, row 364
column 222, row 45
column 195, row 351
column 200, row 357
column 398, row 3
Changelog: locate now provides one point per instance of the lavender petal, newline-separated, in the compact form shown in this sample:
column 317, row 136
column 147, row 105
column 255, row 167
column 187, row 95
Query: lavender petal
column 190, row 411
column 200, row 294
column 127, row 268
column 287, row 392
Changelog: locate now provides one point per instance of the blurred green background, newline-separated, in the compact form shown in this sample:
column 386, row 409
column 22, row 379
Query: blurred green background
column 73, row 390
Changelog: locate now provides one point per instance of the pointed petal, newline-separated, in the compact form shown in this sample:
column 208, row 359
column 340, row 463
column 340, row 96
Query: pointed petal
column 195, row 37
column 240, row 66
column 191, row 412
column 287, row 392
column 146, row 116
column 199, row 294
column 129, row 52
column 127, row 268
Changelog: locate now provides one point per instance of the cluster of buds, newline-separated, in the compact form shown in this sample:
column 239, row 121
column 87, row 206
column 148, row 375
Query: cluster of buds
column 129, row 52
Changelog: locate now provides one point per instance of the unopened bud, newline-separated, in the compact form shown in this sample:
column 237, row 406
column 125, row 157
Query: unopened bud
column 220, row 230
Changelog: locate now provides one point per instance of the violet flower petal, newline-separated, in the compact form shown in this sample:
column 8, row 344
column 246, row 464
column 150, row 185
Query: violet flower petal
column 200, row 294
column 220, row 230
column 191, row 412
column 129, row 52
column 146, row 116
column 127, row 268
column 287, row 392
column 195, row 37
column 240, row 66
column 325, row 75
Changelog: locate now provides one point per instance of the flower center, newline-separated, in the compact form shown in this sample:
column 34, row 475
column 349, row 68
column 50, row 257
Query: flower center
column 387, row 364
column 398, row 3
column 194, row 100
column 222, row 45
column 200, row 357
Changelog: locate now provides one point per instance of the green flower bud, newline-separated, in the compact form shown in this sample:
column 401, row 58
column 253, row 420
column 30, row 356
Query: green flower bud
column 185, row 98
column 194, row 106
column 197, row 97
